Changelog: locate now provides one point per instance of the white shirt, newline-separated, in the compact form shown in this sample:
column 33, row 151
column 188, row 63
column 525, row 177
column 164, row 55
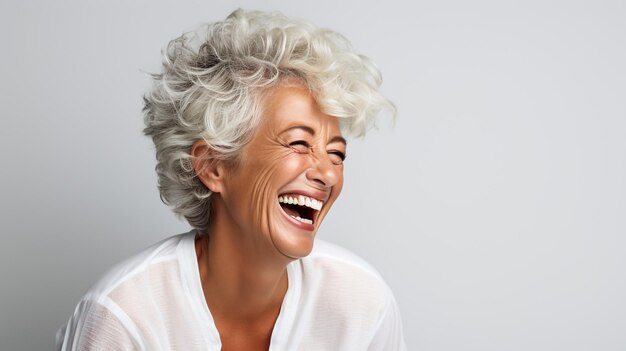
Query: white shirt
column 154, row 301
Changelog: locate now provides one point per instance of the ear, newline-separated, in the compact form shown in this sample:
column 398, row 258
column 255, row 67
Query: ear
column 210, row 171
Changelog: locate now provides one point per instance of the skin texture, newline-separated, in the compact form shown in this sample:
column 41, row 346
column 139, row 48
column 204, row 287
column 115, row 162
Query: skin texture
column 295, row 149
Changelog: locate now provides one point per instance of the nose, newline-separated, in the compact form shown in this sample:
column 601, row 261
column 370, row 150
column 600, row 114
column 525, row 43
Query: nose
column 324, row 172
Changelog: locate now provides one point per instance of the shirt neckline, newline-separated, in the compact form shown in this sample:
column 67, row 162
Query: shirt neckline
column 192, row 285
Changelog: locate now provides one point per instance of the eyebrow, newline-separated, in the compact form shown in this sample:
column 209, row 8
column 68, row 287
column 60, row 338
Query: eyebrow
column 337, row 138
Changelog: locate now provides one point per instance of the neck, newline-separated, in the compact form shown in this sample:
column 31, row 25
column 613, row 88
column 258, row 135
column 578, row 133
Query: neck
column 243, row 277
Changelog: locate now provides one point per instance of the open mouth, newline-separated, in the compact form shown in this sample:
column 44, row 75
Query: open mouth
column 300, row 207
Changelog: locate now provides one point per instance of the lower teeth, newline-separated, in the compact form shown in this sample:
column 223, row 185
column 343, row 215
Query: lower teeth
column 303, row 220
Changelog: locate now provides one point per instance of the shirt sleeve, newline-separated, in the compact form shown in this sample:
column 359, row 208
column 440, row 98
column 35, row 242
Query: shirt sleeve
column 95, row 327
column 389, row 335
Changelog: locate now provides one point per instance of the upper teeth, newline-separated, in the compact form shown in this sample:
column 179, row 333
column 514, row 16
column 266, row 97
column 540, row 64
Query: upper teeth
column 302, row 201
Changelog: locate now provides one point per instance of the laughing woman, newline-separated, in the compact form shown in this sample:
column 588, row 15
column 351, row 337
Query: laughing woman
column 247, row 117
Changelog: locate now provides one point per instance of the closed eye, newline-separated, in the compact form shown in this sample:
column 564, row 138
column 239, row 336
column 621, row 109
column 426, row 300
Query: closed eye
column 299, row 142
column 336, row 156
column 300, row 146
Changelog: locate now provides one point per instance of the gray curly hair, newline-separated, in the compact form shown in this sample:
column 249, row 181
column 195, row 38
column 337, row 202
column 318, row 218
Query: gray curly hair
column 213, row 81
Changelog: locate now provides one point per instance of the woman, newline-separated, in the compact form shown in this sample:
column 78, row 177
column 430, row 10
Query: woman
column 247, row 119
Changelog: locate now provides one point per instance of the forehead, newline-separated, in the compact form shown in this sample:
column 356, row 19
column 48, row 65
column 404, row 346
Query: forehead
column 291, row 105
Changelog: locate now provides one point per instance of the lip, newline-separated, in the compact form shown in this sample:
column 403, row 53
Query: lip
column 317, row 195
column 297, row 223
column 322, row 196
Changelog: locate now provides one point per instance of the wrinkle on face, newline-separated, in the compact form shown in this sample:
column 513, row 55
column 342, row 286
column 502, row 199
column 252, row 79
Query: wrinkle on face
column 269, row 163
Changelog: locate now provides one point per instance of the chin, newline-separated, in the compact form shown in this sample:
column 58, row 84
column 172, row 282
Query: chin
column 295, row 247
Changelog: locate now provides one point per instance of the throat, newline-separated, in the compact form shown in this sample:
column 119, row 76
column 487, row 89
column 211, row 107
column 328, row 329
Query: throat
column 247, row 301
column 240, row 329
column 236, row 280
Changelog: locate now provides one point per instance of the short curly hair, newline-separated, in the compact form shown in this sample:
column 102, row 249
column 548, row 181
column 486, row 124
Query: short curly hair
column 212, row 85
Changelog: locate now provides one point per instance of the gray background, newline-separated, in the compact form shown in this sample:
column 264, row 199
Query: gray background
column 495, row 208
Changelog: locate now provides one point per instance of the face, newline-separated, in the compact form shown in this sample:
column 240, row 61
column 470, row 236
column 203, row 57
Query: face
column 289, row 174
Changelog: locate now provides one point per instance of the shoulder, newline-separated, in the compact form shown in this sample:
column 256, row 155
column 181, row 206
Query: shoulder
column 345, row 279
column 120, row 308
column 344, row 299
column 138, row 270
column 342, row 262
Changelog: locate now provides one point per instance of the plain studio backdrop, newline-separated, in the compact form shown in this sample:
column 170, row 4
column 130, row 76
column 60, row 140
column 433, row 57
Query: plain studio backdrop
column 495, row 208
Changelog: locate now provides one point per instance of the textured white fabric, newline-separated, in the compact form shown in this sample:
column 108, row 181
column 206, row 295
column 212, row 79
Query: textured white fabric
column 154, row 301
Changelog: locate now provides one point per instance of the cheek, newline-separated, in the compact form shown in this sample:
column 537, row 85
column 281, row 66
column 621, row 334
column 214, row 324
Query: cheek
column 292, row 165
column 338, row 187
column 281, row 165
column 268, row 174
